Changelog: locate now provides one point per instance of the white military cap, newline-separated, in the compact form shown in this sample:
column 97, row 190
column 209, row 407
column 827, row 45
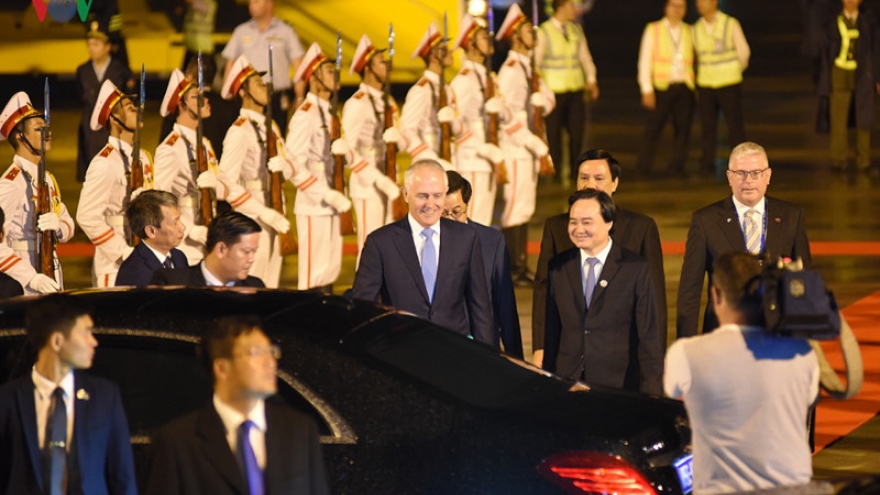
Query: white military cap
column 108, row 97
column 238, row 74
column 431, row 39
column 362, row 55
column 19, row 108
column 469, row 26
column 514, row 19
column 310, row 63
column 178, row 85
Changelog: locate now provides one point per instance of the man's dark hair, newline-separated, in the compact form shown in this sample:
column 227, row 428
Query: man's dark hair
column 146, row 210
column 229, row 228
column 217, row 342
column 50, row 314
column 606, row 204
column 459, row 183
column 559, row 3
column 737, row 274
column 613, row 164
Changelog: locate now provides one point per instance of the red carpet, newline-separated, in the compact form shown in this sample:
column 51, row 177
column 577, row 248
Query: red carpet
column 835, row 418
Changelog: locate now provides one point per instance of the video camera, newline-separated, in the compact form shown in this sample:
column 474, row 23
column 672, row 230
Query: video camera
column 796, row 302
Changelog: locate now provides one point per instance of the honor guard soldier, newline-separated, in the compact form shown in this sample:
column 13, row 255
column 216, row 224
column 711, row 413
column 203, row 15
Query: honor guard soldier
column 245, row 163
column 421, row 116
column 476, row 156
column 176, row 169
column 371, row 191
column 22, row 124
column 522, row 148
column 317, row 205
column 106, row 192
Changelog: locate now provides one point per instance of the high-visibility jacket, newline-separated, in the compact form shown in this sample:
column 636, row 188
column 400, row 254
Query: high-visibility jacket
column 663, row 56
column 718, row 63
column 846, row 59
column 561, row 67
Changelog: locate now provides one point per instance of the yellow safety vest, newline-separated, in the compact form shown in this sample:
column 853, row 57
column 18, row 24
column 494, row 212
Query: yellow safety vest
column 716, row 54
column 664, row 53
column 560, row 67
column 845, row 60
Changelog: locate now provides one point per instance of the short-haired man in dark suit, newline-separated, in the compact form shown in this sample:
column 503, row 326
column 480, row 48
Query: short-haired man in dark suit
column 9, row 287
column 155, row 218
column 496, row 262
column 601, row 308
column 61, row 430
column 233, row 239
column 428, row 265
column 746, row 221
column 242, row 442
column 598, row 169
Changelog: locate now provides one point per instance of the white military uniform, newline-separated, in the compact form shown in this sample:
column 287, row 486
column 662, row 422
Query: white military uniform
column 418, row 119
column 102, row 203
column 514, row 81
column 18, row 195
column 317, row 223
column 362, row 127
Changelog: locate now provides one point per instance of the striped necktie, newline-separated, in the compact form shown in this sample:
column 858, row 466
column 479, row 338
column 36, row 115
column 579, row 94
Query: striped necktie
column 753, row 233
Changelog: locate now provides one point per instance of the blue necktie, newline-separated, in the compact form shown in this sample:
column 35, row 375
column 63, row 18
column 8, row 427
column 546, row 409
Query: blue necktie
column 429, row 263
column 590, row 284
column 253, row 473
column 55, row 444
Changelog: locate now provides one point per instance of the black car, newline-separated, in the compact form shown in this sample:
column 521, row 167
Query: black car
column 404, row 406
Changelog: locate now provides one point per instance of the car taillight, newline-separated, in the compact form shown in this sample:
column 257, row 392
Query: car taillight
column 592, row 473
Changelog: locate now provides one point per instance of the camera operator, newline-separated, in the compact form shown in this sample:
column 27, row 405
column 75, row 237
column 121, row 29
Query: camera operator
column 747, row 392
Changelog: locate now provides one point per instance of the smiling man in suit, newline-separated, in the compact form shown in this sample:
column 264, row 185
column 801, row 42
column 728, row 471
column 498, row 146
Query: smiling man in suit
column 242, row 442
column 63, row 431
column 747, row 221
column 155, row 218
column 428, row 265
column 601, row 309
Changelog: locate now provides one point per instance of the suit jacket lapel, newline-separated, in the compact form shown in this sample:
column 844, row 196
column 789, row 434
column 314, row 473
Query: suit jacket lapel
column 275, row 452
column 149, row 258
column 28, row 411
column 575, row 277
column 730, row 226
column 775, row 222
column 195, row 276
column 609, row 269
column 407, row 249
column 215, row 448
column 448, row 239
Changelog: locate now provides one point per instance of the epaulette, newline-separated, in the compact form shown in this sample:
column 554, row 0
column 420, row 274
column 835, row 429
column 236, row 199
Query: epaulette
column 172, row 138
column 106, row 151
column 512, row 63
column 423, row 82
column 13, row 173
column 239, row 121
column 305, row 106
column 358, row 95
column 465, row 71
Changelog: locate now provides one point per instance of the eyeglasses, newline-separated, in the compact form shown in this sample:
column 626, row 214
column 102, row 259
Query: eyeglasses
column 754, row 174
column 255, row 351
column 454, row 214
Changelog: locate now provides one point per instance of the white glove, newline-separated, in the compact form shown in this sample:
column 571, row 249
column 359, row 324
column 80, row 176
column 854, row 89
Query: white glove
column 199, row 234
column 43, row 284
column 207, row 180
column 137, row 192
column 126, row 252
column 445, row 164
column 387, row 186
column 391, row 135
column 340, row 147
column 49, row 222
column 337, row 200
column 494, row 105
column 276, row 164
column 536, row 145
column 539, row 100
column 275, row 220
column 446, row 115
column 489, row 151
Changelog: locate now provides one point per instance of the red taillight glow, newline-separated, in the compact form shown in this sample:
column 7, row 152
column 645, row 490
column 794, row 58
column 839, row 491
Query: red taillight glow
column 594, row 473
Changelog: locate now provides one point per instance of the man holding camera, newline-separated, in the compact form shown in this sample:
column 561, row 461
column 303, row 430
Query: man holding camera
column 749, row 431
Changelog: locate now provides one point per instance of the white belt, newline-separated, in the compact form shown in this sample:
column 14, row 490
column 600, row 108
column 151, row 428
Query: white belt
column 478, row 127
column 23, row 245
column 116, row 220
column 521, row 115
column 254, row 185
column 187, row 201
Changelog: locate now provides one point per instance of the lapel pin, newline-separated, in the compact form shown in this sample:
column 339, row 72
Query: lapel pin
column 777, row 220
column 729, row 220
column 81, row 394
column 603, row 283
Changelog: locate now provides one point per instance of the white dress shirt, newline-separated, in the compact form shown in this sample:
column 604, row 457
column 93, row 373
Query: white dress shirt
column 210, row 279
column 43, row 390
column 232, row 419
column 601, row 255
column 420, row 241
column 741, row 210
column 159, row 256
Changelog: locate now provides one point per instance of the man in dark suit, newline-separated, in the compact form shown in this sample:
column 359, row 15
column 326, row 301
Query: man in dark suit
column 601, row 309
column 61, row 430
column 233, row 239
column 599, row 170
column 9, row 287
column 496, row 263
column 241, row 442
column 777, row 229
column 427, row 265
column 155, row 218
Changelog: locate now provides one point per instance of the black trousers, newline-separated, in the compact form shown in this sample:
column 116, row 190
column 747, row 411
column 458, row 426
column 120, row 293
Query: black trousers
column 677, row 103
column 729, row 100
column 570, row 113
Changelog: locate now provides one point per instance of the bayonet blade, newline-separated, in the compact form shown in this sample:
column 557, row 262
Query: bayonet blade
column 46, row 103
column 490, row 17
column 201, row 76
column 445, row 27
column 338, row 53
column 271, row 68
column 143, row 83
column 390, row 41
column 535, row 14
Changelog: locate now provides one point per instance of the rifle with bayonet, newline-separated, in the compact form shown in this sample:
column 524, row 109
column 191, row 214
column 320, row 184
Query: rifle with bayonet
column 45, row 239
column 136, row 174
column 442, row 100
column 286, row 242
column 492, row 133
column 398, row 208
column 206, row 199
column 346, row 224
column 546, row 164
